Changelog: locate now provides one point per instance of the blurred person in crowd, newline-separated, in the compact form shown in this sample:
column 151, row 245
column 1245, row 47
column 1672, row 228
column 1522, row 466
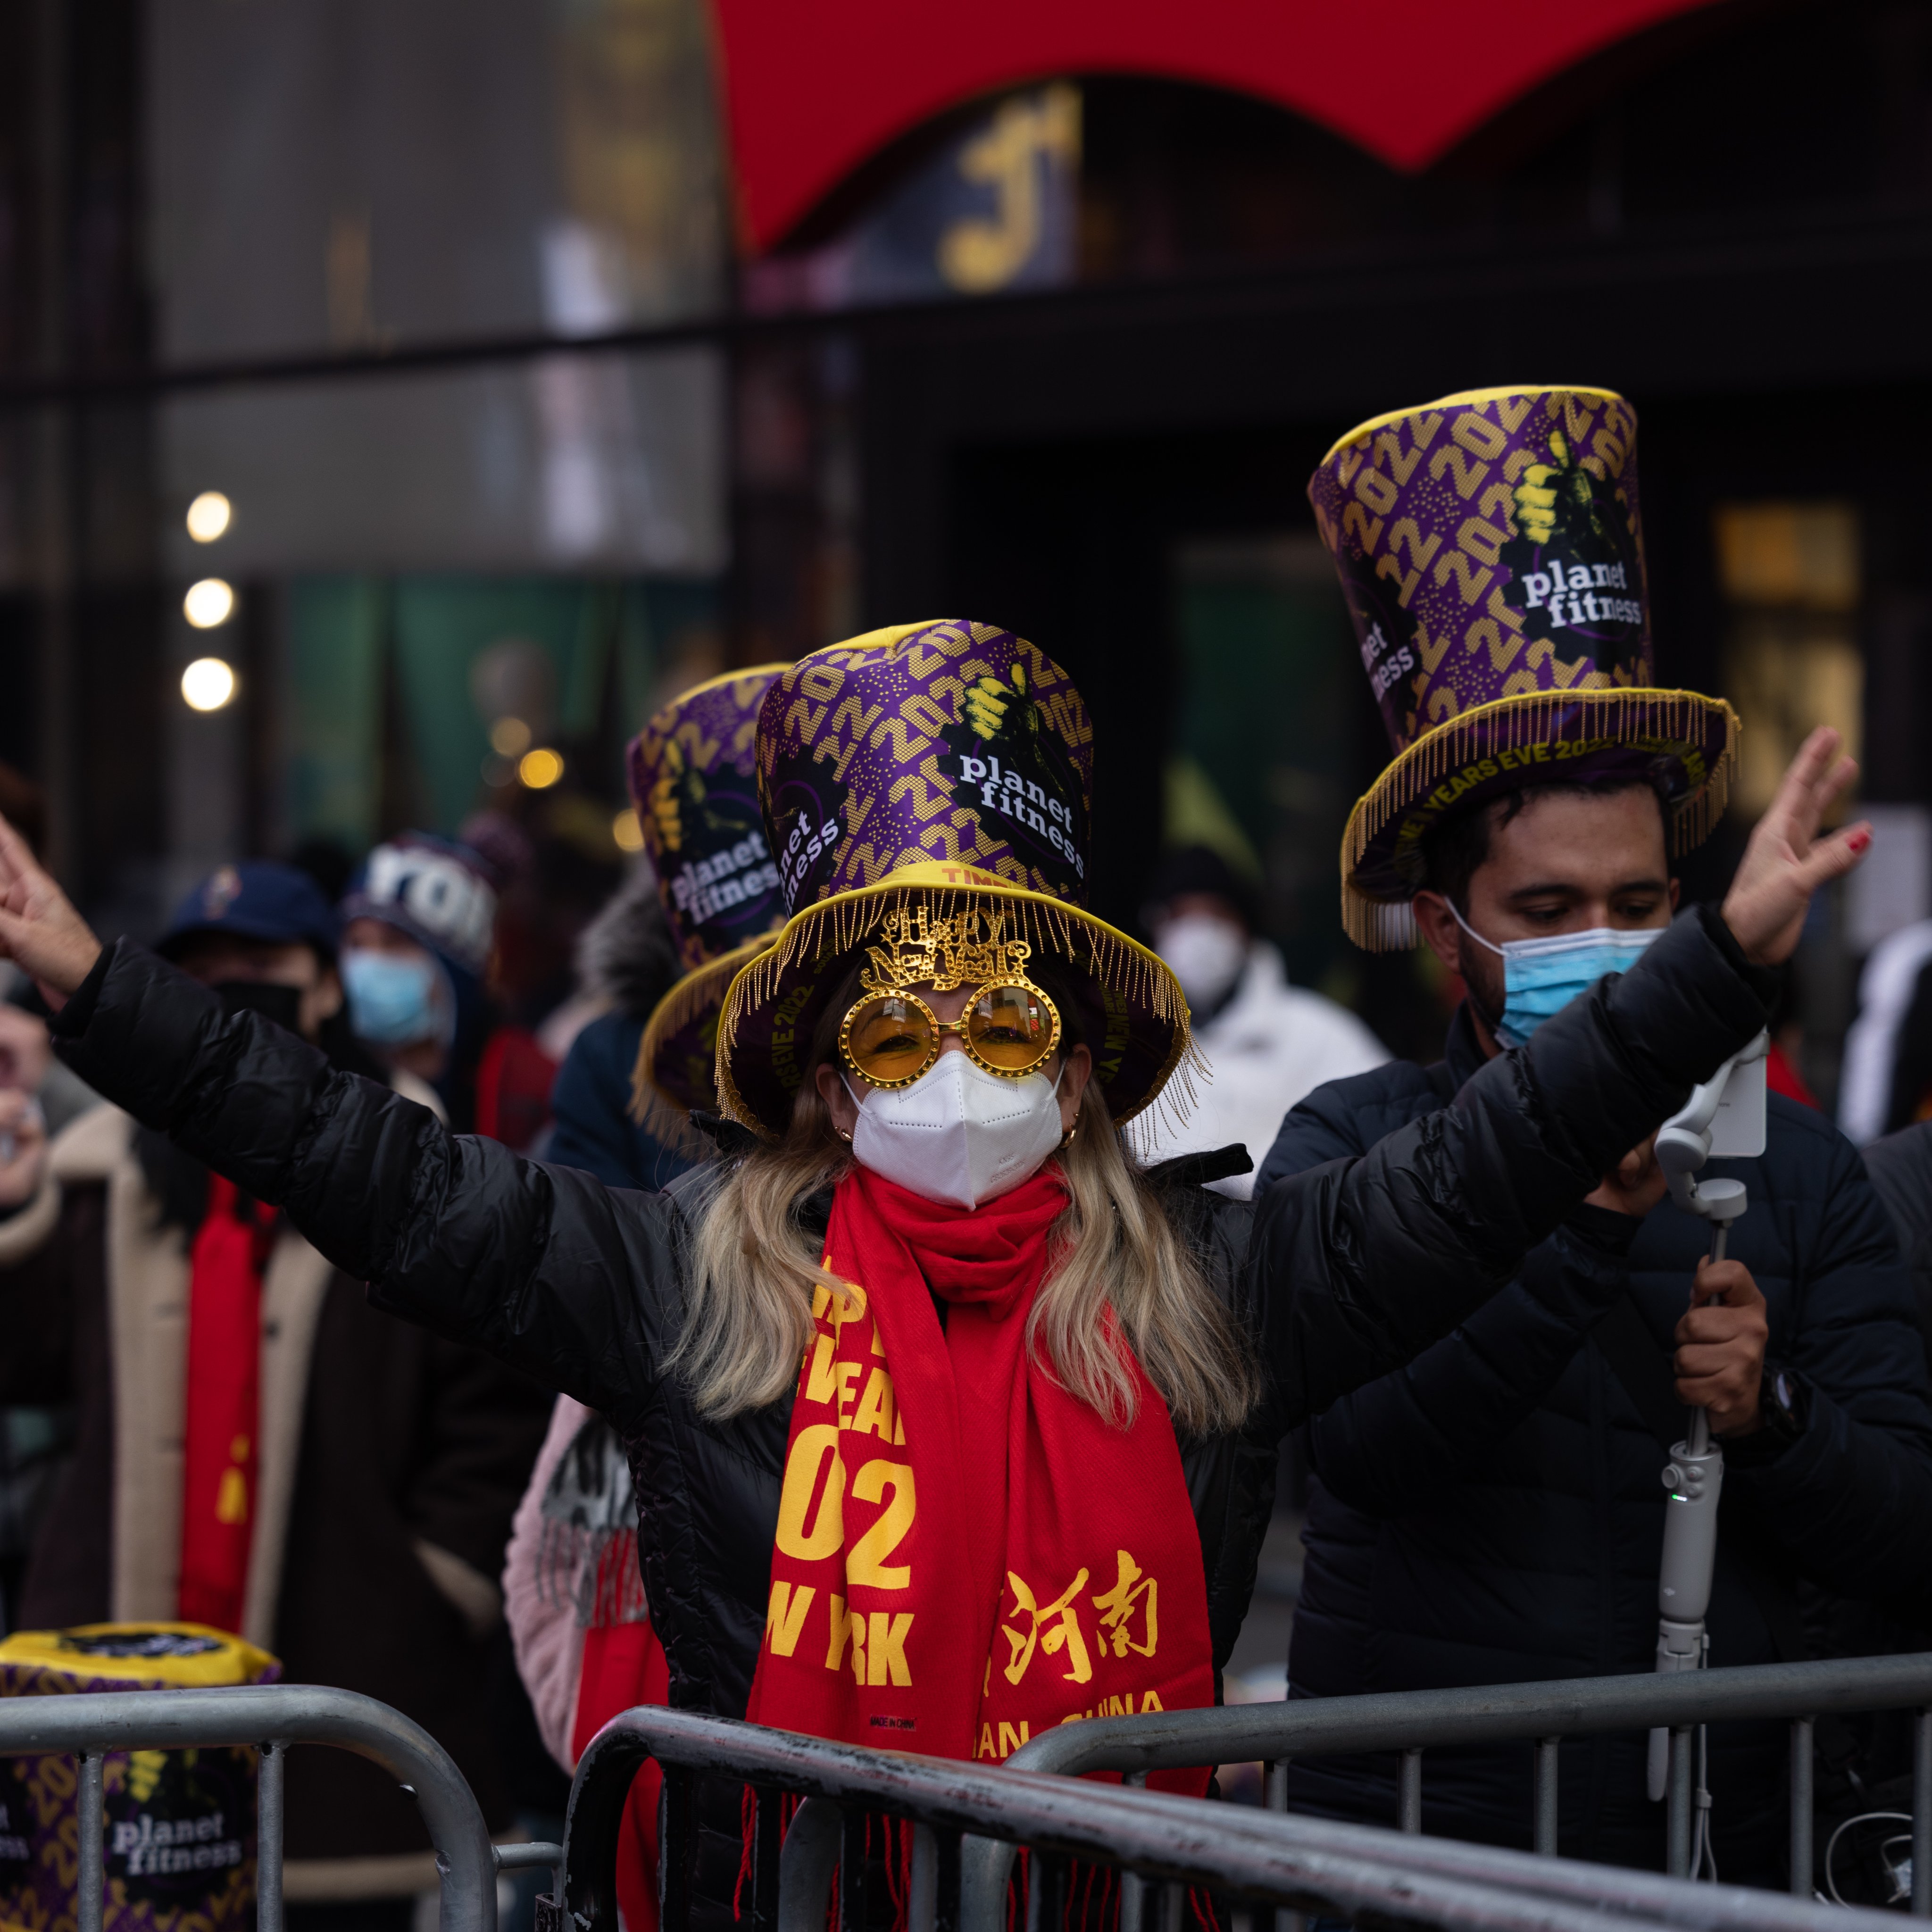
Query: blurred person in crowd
column 1886, row 1082
column 1266, row 1043
column 1492, row 1513
column 416, row 936
column 257, row 1448
column 625, row 959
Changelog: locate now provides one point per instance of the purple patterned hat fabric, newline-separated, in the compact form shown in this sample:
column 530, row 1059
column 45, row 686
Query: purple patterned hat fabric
column 954, row 761
column 952, row 742
column 1504, row 523
column 694, row 782
column 1490, row 549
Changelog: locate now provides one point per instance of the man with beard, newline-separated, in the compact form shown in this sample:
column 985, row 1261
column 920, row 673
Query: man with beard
column 256, row 1449
column 1492, row 1513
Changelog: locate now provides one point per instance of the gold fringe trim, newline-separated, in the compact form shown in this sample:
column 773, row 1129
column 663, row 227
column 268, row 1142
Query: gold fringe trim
column 830, row 932
column 1510, row 724
column 690, row 1001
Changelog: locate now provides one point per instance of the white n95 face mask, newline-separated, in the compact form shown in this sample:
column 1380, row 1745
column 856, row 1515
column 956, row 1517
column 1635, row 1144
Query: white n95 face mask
column 958, row 1134
column 1205, row 954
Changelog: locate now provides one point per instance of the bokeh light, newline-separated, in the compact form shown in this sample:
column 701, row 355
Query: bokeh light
column 207, row 684
column 509, row 737
column 541, row 768
column 628, row 833
column 208, row 516
column 208, row 603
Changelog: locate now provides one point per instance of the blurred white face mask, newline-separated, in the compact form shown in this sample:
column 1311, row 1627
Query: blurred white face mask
column 958, row 1135
column 1206, row 955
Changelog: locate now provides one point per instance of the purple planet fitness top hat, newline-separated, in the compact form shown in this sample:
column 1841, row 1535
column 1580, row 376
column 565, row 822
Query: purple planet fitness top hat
column 694, row 782
column 935, row 779
column 1490, row 548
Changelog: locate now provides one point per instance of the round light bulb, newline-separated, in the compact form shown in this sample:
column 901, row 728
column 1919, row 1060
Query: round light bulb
column 207, row 684
column 208, row 516
column 208, row 603
column 627, row 832
column 540, row 769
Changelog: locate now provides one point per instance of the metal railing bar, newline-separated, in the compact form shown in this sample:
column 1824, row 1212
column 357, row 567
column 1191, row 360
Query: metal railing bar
column 1548, row 1757
column 1173, row 1906
column 1568, row 1880
column 1415, row 1719
column 1921, row 1816
column 93, row 1847
column 1133, row 1893
column 1274, row 1784
column 269, row 1793
column 922, row 1903
column 805, row 1866
column 1677, row 1800
column 88, row 1723
column 1802, row 1799
column 529, row 1856
column 1408, row 1794
column 522, row 1856
column 1285, row 1859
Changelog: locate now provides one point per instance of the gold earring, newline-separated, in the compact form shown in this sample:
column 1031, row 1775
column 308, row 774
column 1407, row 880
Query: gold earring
column 1066, row 1138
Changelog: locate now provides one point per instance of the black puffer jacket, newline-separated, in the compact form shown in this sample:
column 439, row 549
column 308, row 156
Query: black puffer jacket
column 1335, row 1277
column 1492, row 1513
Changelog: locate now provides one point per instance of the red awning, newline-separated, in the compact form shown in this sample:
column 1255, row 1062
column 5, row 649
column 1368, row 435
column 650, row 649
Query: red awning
column 814, row 87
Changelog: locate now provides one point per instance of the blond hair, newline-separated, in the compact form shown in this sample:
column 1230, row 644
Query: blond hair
column 1117, row 1276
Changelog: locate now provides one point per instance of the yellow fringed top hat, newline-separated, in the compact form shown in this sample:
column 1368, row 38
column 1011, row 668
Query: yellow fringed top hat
column 1490, row 546
column 926, row 792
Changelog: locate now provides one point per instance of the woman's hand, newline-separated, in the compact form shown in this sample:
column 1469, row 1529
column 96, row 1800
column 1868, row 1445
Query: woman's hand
column 39, row 930
column 1786, row 861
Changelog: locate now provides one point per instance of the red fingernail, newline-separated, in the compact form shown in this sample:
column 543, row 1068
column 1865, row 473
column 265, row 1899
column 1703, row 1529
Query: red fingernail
column 1859, row 840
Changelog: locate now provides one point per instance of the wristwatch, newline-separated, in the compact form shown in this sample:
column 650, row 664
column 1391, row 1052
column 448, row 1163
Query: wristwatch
column 1782, row 1408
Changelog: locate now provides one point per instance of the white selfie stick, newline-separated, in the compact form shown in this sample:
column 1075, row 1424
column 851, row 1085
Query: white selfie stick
column 1695, row 1475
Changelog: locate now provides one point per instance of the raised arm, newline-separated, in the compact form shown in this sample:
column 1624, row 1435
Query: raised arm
column 542, row 1268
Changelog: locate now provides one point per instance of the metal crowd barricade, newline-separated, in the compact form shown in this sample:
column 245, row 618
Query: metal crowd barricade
column 270, row 1717
column 1539, row 1715
column 1252, row 1857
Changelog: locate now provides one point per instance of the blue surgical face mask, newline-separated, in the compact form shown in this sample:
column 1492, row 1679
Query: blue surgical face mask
column 392, row 998
column 1541, row 976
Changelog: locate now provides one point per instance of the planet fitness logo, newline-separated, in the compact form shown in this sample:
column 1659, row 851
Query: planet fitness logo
column 721, row 881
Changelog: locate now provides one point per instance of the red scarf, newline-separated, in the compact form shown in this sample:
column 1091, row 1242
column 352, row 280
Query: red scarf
column 223, row 1405
column 967, row 1554
column 624, row 1665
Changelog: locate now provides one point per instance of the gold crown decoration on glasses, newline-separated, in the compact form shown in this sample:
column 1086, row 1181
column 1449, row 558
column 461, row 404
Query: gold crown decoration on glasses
column 950, row 951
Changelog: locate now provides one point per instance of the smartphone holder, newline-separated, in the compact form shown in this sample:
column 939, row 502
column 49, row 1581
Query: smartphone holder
column 1724, row 1117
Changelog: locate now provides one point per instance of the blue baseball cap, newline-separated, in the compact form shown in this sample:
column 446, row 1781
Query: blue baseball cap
column 259, row 899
